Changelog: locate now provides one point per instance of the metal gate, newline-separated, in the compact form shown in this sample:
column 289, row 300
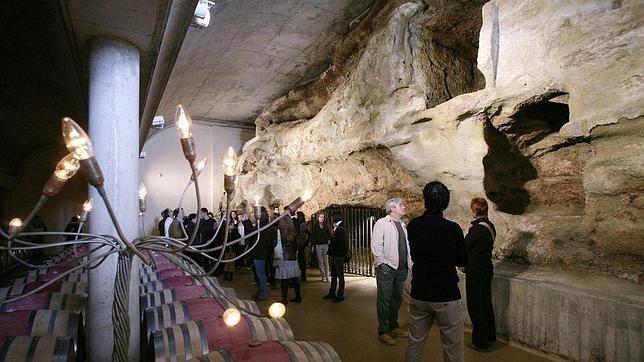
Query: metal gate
column 359, row 223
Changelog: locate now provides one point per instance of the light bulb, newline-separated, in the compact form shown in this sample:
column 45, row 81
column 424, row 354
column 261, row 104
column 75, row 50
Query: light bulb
column 256, row 200
column 14, row 225
column 183, row 122
column 308, row 194
column 230, row 161
column 231, row 317
column 76, row 140
column 66, row 167
column 87, row 205
column 143, row 191
column 277, row 310
column 202, row 164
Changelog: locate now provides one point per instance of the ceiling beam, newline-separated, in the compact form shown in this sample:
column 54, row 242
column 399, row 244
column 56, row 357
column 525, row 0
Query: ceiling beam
column 176, row 27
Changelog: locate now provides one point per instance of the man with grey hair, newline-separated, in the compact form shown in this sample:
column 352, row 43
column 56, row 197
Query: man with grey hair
column 390, row 249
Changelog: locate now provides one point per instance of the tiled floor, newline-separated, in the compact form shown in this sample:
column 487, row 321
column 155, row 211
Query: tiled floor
column 350, row 326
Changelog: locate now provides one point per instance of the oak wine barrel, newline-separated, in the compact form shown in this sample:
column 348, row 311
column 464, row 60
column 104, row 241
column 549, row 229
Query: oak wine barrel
column 274, row 351
column 37, row 349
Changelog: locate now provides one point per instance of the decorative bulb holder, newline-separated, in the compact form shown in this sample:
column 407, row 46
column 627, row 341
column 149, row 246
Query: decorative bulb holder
column 142, row 206
column 93, row 172
column 83, row 215
column 53, row 186
column 14, row 230
column 229, row 185
column 295, row 205
column 188, row 147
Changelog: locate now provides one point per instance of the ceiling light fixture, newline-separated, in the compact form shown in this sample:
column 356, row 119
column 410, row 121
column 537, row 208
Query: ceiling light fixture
column 201, row 18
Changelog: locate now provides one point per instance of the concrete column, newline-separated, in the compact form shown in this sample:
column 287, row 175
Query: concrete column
column 114, row 130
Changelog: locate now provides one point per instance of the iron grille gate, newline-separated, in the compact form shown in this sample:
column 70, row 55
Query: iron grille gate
column 359, row 223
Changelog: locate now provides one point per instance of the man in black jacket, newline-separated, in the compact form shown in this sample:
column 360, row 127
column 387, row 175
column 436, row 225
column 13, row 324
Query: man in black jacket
column 437, row 247
column 337, row 253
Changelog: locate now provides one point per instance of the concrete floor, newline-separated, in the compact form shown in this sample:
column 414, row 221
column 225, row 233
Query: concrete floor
column 350, row 326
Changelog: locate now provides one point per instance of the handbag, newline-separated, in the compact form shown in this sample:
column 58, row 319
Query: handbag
column 278, row 252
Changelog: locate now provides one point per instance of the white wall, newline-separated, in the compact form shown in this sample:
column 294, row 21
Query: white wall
column 166, row 172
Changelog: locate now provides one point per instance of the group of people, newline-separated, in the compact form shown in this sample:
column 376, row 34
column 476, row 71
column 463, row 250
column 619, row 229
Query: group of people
column 212, row 231
column 433, row 247
column 281, row 253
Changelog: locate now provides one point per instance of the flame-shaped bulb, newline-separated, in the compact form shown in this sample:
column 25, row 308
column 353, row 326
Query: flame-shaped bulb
column 183, row 122
column 230, row 161
column 143, row 191
column 14, row 225
column 87, row 205
column 67, row 167
column 76, row 140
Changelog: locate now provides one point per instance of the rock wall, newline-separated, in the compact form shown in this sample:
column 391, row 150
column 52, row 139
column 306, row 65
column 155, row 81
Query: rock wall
column 536, row 105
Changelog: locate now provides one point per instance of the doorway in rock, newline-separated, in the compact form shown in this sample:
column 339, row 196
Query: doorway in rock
column 359, row 223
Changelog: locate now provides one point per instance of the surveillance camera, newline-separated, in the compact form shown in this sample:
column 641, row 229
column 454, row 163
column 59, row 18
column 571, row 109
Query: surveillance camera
column 201, row 18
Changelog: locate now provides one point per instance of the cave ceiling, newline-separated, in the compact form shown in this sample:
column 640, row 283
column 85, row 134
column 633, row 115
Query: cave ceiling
column 252, row 53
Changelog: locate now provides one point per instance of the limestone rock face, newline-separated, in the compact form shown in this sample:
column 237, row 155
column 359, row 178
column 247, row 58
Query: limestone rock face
column 552, row 136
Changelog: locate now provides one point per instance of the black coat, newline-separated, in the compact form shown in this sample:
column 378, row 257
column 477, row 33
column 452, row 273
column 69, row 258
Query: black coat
column 436, row 247
column 478, row 247
column 260, row 251
column 338, row 245
column 320, row 236
column 161, row 227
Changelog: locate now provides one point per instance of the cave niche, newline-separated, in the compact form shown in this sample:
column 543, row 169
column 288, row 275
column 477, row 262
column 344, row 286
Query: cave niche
column 508, row 164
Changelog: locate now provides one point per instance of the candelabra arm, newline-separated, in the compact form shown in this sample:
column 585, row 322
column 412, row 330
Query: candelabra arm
column 57, row 278
column 117, row 226
column 41, row 202
column 145, row 233
column 194, row 232
column 223, row 246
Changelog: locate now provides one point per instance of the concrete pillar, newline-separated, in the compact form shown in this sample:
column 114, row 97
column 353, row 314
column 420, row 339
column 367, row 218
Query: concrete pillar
column 114, row 131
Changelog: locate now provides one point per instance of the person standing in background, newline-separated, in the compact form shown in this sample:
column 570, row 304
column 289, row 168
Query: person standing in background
column 165, row 214
column 390, row 250
column 337, row 255
column 303, row 238
column 478, row 278
column 320, row 236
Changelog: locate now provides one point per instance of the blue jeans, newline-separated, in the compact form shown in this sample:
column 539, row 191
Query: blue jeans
column 260, row 271
column 336, row 263
column 390, row 295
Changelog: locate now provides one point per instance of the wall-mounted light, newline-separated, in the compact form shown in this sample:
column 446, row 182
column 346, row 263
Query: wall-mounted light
column 201, row 18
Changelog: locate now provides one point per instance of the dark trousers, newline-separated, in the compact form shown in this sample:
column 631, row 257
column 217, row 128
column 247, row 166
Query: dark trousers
column 390, row 295
column 479, row 306
column 239, row 249
column 270, row 272
column 336, row 264
column 295, row 282
column 301, row 261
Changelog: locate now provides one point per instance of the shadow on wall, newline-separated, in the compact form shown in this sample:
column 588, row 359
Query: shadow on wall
column 506, row 172
column 507, row 168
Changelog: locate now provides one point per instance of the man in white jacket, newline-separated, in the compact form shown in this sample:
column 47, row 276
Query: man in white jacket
column 390, row 249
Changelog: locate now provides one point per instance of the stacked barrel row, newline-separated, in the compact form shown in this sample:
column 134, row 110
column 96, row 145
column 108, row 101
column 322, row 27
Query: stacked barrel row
column 49, row 324
column 181, row 321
